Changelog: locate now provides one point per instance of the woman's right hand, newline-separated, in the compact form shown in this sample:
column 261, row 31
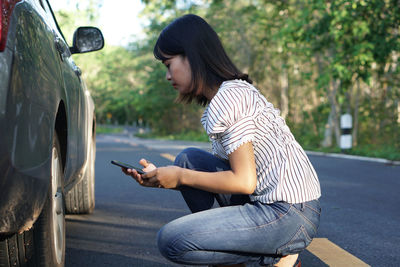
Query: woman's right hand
column 165, row 177
column 147, row 167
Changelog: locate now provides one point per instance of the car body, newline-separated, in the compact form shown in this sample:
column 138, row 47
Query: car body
column 47, row 132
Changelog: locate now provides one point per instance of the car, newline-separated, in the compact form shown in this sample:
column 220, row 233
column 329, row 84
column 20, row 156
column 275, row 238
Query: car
column 47, row 133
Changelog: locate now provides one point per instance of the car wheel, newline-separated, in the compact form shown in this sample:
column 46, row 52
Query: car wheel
column 49, row 229
column 44, row 243
column 17, row 249
column 80, row 199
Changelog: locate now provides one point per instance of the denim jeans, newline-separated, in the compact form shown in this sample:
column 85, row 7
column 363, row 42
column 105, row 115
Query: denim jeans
column 239, row 231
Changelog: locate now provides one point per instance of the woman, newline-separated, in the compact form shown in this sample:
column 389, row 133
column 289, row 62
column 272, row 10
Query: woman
column 263, row 181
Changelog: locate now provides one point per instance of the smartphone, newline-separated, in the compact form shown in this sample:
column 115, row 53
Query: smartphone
column 127, row 166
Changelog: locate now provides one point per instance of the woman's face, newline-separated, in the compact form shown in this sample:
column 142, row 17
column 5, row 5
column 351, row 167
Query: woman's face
column 179, row 73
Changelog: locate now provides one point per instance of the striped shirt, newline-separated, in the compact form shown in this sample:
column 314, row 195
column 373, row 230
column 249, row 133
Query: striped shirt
column 239, row 113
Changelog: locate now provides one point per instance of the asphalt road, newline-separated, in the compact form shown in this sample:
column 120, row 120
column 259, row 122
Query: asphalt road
column 360, row 206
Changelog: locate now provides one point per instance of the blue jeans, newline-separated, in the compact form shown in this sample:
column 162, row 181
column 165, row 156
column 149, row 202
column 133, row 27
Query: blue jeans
column 239, row 231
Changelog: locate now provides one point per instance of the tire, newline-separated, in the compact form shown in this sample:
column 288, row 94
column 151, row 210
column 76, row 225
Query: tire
column 81, row 199
column 49, row 229
column 17, row 250
column 44, row 244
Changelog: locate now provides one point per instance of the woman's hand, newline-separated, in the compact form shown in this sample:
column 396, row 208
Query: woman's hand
column 164, row 177
column 147, row 166
column 241, row 179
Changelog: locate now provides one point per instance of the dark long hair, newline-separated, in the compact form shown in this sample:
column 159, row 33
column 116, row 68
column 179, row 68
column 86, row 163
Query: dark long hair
column 192, row 37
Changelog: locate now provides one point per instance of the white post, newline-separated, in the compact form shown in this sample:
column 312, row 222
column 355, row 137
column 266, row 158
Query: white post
column 346, row 125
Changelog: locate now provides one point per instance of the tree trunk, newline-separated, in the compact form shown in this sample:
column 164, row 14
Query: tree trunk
column 327, row 142
column 284, row 81
column 355, row 114
column 332, row 125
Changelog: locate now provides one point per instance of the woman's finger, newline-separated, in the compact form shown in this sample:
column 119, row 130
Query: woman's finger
column 134, row 174
column 124, row 170
column 144, row 162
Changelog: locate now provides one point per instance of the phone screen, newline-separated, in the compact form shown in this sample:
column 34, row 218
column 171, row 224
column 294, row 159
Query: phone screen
column 127, row 166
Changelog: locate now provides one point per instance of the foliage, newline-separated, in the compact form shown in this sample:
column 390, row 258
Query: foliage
column 377, row 151
column 313, row 59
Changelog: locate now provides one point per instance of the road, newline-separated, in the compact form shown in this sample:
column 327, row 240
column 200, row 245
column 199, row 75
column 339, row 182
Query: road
column 359, row 224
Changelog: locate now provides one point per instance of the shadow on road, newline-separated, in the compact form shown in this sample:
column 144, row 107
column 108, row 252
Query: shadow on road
column 117, row 234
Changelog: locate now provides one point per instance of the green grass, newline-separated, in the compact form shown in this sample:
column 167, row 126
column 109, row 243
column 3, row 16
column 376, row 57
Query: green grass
column 375, row 151
column 184, row 136
column 100, row 129
column 383, row 151
column 372, row 151
column 389, row 152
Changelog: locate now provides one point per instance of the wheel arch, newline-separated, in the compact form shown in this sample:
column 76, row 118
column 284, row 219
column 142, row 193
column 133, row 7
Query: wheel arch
column 94, row 125
column 61, row 128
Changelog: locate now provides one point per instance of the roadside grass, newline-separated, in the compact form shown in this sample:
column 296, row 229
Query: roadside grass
column 183, row 136
column 374, row 151
column 384, row 151
column 389, row 152
column 108, row 129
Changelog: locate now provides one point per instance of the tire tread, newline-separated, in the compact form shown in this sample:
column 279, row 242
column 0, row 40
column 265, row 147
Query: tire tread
column 17, row 250
column 80, row 199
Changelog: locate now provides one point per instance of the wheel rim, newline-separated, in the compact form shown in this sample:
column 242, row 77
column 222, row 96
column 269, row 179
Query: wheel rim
column 57, row 206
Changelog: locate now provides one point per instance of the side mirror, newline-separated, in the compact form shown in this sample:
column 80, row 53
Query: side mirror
column 87, row 39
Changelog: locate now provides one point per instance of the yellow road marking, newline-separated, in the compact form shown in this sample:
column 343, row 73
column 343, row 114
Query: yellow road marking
column 332, row 254
column 327, row 251
column 168, row 156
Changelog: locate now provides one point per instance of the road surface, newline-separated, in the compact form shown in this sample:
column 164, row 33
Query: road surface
column 359, row 224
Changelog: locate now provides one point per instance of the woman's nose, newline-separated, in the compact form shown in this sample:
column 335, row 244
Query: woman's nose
column 168, row 76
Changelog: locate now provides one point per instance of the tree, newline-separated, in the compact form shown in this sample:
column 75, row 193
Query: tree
column 314, row 59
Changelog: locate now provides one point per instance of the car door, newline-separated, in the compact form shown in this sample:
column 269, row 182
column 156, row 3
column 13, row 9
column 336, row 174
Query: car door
column 73, row 98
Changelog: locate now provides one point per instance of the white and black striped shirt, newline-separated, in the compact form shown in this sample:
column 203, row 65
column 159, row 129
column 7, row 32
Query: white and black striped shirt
column 239, row 113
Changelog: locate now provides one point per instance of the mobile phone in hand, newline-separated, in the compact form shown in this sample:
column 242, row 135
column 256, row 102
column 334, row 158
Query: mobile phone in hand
column 127, row 166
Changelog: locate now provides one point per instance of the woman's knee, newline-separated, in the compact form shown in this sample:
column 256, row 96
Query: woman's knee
column 168, row 242
column 186, row 157
column 197, row 159
column 163, row 242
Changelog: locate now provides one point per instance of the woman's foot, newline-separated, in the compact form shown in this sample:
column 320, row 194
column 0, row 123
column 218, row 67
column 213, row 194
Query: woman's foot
column 289, row 261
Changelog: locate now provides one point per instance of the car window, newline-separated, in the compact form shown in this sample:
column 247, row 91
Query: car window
column 41, row 3
column 50, row 14
column 47, row 9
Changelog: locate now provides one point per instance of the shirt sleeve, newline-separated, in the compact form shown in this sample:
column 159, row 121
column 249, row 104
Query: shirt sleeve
column 230, row 118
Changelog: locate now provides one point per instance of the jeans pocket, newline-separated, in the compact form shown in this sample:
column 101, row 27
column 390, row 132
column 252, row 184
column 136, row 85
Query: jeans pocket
column 298, row 243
